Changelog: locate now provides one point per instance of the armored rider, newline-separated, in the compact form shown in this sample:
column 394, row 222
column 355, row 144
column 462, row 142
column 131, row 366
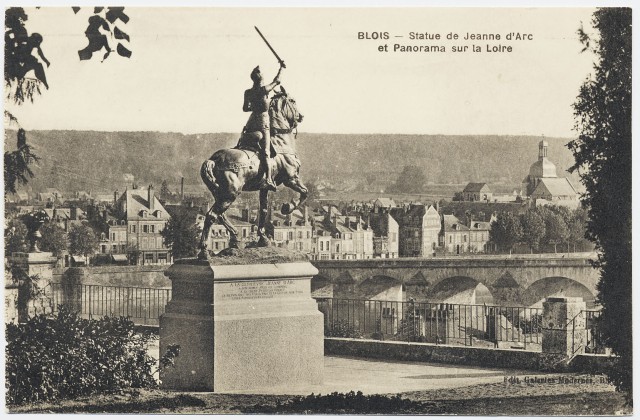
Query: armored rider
column 256, row 101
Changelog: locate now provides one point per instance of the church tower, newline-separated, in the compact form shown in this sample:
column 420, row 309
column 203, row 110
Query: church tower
column 542, row 168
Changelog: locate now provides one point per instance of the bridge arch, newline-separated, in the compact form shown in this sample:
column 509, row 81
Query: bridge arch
column 321, row 286
column 535, row 294
column 381, row 287
column 461, row 289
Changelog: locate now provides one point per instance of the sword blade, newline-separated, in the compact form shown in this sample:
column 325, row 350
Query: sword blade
column 268, row 45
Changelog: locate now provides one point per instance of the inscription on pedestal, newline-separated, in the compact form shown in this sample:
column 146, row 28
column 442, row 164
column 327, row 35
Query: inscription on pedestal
column 267, row 289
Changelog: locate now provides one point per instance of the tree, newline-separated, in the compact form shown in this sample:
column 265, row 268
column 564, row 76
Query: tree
column 577, row 227
column 556, row 231
column 602, row 153
column 182, row 234
column 533, row 229
column 54, row 239
column 82, row 240
column 506, row 231
column 164, row 190
column 16, row 237
column 17, row 164
column 411, row 180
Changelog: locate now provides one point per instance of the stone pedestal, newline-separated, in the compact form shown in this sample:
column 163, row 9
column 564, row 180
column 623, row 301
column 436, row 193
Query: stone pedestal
column 39, row 266
column 242, row 327
column 563, row 325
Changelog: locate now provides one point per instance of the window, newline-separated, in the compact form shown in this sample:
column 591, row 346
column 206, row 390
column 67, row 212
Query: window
column 290, row 236
column 114, row 247
column 113, row 236
column 133, row 228
column 321, row 245
column 450, row 238
column 145, row 228
column 278, row 236
column 337, row 247
column 104, row 249
column 244, row 232
column 153, row 228
column 464, row 238
column 299, row 234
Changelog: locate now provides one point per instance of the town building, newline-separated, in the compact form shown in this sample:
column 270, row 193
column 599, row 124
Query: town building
column 543, row 184
column 145, row 218
column 339, row 237
column 477, row 191
column 419, row 227
column 293, row 231
column 457, row 237
column 385, row 232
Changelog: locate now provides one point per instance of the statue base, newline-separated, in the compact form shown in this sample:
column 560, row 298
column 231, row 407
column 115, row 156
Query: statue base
column 242, row 327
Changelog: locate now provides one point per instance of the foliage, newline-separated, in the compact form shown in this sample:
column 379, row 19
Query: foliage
column 82, row 240
column 602, row 154
column 182, row 234
column 54, row 239
column 506, row 231
column 16, row 237
column 164, row 190
column 67, row 356
column 349, row 403
column 342, row 329
column 411, row 180
column 533, row 229
column 556, row 230
column 17, row 164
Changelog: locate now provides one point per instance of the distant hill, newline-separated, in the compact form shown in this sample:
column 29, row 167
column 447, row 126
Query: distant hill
column 94, row 160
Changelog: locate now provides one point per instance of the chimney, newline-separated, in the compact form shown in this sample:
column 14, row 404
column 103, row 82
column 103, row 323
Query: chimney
column 347, row 222
column 116, row 195
column 104, row 214
column 73, row 213
column 182, row 188
column 305, row 216
column 335, row 221
column 151, row 198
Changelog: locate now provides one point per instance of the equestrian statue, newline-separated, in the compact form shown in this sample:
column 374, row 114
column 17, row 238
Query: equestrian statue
column 264, row 157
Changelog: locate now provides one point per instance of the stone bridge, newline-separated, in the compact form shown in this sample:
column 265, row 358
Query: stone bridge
column 517, row 280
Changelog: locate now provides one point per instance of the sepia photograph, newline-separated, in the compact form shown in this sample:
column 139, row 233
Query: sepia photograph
column 360, row 210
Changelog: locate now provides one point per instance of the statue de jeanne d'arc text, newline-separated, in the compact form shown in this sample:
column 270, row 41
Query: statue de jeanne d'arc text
column 264, row 157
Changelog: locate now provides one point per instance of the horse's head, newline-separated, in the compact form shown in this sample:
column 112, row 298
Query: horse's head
column 284, row 112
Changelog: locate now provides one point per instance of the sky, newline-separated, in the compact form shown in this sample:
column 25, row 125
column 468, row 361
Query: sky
column 190, row 67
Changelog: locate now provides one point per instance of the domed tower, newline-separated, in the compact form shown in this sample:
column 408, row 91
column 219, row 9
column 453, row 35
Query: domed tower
column 542, row 168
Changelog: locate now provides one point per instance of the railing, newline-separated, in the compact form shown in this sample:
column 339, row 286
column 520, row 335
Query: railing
column 439, row 323
column 143, row 305
column 594, row 341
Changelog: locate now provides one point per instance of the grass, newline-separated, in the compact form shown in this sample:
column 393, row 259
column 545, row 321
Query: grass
column 164, row 402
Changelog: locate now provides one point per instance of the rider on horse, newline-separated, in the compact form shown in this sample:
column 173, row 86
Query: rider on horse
column 256, row 101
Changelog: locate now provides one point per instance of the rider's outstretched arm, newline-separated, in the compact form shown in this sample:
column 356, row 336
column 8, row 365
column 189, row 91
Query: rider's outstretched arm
column 276, row 80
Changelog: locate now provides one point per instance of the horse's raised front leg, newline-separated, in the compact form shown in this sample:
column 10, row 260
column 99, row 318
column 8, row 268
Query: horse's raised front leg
column 296, row 185
column 263, row 240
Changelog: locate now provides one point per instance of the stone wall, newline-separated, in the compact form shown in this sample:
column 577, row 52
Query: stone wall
column 474, row 356
column 127, row 276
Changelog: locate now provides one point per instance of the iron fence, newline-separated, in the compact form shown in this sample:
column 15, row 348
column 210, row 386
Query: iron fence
column 594, row 340
column 143, row 305
column 439, row 323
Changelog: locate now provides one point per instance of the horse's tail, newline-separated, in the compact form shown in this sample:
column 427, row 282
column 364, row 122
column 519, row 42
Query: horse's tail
column 209, row 178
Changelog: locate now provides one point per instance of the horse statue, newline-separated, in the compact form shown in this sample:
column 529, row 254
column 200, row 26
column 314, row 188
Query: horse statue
column 228, row 172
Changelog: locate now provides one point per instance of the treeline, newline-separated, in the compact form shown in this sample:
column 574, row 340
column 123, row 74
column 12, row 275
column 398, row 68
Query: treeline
column 364, row 162
column 538, row 227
